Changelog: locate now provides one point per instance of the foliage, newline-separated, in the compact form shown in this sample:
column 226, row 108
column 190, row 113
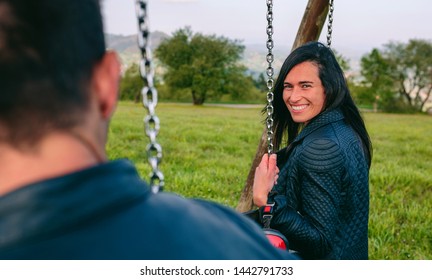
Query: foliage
column 343, row 61
column 131, row 84
column 210, row 156
column 260, row 82
column 399, row 76
column 356, row 91
column 206, row 66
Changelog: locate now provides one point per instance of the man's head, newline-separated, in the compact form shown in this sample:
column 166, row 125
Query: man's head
column 49, row 53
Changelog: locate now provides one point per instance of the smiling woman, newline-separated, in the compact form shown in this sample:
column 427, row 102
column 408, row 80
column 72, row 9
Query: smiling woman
column 321, row 196
column 303, row 92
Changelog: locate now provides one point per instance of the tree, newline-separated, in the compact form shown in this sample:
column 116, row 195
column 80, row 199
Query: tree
column 378, row 84
column 131, row 84
column 260, row 82
column 207, row 66
column 400, row 74
column 343, row 61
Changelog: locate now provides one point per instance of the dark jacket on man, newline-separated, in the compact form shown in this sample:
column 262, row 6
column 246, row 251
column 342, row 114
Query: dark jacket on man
column 108, row 212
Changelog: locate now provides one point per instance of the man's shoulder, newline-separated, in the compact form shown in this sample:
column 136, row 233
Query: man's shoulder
column 198, row 213
column 206, row 230
column 112, row 216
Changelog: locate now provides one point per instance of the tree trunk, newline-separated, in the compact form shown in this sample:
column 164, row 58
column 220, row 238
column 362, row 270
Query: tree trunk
column 197, row 100
column 312, row 22
column 310, row 29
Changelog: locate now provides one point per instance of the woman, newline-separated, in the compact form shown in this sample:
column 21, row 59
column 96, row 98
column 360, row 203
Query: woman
column 322, row 192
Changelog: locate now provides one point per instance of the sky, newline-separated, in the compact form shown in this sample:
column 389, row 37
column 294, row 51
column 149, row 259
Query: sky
column 357, row 24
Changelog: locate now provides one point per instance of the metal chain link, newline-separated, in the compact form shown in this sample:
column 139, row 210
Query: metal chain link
column 150, row 97
column 330, row 24
column 270, row 73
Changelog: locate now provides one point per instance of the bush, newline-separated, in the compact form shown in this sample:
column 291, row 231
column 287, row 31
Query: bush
column 131, row 84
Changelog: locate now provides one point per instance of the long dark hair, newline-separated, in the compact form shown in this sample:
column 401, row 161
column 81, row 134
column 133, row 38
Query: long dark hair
column 337, row 94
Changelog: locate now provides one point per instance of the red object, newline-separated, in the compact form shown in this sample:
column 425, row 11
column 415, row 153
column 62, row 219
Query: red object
column 277, row 239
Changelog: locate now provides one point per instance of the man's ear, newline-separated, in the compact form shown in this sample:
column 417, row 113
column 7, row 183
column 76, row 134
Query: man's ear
column 105, row 83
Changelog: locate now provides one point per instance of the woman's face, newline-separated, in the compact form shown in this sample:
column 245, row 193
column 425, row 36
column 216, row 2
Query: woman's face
column 303, row 92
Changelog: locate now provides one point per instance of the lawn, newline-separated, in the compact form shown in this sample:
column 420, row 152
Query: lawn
column 208, row 150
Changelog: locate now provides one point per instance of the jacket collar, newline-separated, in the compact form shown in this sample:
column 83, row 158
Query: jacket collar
column 321, row 120
column 51, row 204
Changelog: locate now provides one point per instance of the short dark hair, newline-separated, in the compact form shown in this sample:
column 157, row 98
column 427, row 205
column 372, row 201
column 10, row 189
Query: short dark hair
column 47, row 52
column 337, row 93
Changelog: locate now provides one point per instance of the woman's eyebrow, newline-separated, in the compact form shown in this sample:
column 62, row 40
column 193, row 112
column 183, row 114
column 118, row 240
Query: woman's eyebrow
column 300, row 83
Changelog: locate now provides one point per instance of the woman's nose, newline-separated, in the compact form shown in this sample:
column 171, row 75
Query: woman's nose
column 295, row 96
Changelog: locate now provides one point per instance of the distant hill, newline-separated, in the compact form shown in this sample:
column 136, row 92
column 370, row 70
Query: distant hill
column 128, row 43
column 127, row 46
column 254, row 57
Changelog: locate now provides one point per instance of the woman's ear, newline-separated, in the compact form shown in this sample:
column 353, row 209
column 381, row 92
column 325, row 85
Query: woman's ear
column 105, row 83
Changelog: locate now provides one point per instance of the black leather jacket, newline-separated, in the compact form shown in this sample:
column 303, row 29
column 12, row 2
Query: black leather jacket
column 322, row 194
column 108, row 212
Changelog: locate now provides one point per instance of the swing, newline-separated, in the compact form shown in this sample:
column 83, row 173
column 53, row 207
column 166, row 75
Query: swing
column 150, row 98
column 152, row 123
column 277, row 239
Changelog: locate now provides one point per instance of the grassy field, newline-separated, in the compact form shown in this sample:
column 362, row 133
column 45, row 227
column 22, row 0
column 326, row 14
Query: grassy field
column 208, row 150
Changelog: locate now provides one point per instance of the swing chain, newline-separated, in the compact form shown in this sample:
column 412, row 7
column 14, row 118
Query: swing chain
column 150, row 97
column 330, row 23
column 270, row 81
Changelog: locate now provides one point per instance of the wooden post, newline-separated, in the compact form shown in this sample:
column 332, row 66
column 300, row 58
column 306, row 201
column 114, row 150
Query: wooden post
column 310, row 29
column 312, row 23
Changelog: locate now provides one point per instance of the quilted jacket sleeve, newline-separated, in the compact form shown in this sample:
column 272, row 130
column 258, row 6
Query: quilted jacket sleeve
column 311, row 225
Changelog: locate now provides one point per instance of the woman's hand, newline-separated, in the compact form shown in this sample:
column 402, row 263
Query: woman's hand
column 266, row 175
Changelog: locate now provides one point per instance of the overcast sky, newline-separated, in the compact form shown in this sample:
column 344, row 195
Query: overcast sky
column 358, row 24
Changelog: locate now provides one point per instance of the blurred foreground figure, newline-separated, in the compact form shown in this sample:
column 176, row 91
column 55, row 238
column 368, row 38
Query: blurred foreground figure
column 60, row 198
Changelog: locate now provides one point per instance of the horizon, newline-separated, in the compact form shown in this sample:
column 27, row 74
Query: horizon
column 250, row 55
column 355, row 27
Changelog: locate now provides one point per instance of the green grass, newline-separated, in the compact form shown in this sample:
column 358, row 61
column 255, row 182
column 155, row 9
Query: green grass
column 401, row 186
column 208, row 150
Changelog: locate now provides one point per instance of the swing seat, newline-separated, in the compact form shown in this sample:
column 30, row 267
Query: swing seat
column 276, row 238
